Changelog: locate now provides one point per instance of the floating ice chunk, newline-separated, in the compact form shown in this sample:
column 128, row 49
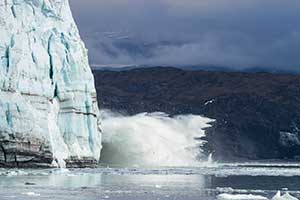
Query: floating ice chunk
column 33, row 194
column 158, row 186
column 60, row 171
column 277, row 196
column 225, row 189
column 287, row 196
column 240, row 197
column 16, row 173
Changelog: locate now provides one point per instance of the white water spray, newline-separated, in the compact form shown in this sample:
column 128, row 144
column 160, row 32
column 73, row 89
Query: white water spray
column 153, row 139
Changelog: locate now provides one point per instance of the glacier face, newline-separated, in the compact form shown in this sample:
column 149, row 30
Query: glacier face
column 48, row 106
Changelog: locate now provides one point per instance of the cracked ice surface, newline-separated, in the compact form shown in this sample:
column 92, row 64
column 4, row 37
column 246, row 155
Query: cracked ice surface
column 48, row 106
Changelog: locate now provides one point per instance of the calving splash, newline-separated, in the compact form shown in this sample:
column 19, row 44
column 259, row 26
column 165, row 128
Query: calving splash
column 152, row 139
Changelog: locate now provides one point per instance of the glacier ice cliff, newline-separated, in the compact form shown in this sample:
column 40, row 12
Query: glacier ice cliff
column 48, row 105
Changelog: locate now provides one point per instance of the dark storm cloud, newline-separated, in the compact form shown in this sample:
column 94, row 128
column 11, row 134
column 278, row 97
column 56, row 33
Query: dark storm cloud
column 235, row 33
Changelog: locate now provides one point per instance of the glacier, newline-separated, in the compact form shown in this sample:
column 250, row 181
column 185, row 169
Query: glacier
column 48, row 106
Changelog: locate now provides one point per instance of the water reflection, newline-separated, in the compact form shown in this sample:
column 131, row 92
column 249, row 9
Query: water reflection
column 94, row 180
column 103, row 186
column 137, row 184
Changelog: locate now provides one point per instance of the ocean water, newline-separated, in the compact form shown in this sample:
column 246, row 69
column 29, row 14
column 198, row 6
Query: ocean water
column 176, row 183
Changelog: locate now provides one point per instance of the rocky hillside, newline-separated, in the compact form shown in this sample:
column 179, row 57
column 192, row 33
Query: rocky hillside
column 257, row 114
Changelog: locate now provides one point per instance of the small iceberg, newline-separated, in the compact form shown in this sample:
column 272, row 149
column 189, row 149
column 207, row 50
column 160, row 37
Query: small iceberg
column 286, row 196
column 33, row 194
column 278, row 196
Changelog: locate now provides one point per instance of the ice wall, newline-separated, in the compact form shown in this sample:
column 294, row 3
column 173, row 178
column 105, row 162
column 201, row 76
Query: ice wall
column 48, row 107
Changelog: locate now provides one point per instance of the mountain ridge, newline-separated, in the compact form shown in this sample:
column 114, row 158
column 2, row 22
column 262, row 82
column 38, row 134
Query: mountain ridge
column 197, row 68
column 258, row 114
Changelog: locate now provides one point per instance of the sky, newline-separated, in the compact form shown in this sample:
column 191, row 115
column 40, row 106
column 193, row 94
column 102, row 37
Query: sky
column 227, row 33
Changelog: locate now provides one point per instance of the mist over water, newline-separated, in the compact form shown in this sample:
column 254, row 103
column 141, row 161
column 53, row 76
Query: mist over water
column 152, row 139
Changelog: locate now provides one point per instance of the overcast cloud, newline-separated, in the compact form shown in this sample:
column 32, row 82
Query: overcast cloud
column 235, row 33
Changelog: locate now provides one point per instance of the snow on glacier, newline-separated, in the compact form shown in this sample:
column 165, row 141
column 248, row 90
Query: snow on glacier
column 47, row 92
